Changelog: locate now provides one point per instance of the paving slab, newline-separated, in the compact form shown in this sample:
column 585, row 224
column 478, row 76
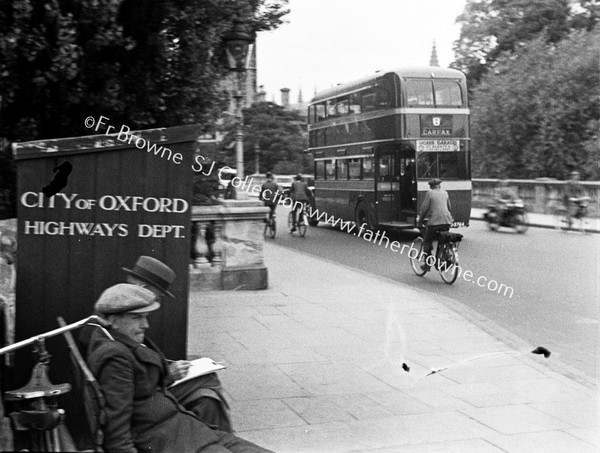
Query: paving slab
column 542, row 442
column 316, row 362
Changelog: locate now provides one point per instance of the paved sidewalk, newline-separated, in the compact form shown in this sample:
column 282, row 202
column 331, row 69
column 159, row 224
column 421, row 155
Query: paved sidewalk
column 314, row 364
column 542, row 220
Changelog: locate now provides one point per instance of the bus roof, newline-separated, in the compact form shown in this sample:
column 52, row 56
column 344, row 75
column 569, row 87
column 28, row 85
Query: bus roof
column 415, row 71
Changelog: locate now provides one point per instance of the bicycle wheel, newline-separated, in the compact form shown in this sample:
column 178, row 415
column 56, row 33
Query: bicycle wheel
column 302, row 225
column 415, row 262
column 448, row 264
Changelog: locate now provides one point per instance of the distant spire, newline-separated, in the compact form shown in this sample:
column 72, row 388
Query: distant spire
column 433, row 61
column 300, row 96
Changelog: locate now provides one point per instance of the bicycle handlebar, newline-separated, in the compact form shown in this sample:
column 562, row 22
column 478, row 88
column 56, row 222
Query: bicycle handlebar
column 51, row 333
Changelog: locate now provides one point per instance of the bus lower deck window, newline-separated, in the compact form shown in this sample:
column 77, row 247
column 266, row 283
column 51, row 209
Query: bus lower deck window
column 354, row 167
column 368, row 168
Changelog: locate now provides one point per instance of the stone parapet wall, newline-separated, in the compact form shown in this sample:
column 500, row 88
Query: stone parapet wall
column 540, row 196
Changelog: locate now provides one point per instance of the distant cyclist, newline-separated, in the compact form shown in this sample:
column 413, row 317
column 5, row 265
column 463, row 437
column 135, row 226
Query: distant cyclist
column 301, row 193
column 436, row 208
column 574, row 194
column 269, row 193
column 503, row 195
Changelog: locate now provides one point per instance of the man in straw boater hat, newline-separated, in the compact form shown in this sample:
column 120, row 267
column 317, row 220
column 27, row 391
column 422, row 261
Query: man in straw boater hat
column 203, row 395
column 142, row 414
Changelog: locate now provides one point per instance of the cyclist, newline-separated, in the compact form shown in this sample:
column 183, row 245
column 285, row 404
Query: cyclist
column 301, row 193
column 503, row 195
column 574, row 194
column 435, row 207
column 269, row 192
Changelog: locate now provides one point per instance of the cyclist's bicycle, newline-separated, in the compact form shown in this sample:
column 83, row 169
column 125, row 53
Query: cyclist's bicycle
column 302, row 223
column 271, row 225
column 446, row 255
column 577, row 211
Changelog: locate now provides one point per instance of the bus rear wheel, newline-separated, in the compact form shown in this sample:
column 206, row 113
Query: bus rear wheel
column 362, row 216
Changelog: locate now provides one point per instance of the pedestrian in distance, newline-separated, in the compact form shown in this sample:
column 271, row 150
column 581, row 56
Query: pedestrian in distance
column 436, row 208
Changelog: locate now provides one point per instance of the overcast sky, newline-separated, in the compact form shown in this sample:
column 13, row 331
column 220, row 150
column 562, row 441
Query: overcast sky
column 326, row 42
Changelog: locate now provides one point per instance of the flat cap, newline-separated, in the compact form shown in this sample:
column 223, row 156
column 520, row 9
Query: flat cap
column 126, row 298
column 435, row 182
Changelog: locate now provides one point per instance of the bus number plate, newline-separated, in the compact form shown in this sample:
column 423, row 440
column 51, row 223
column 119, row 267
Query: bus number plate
column 438, row 145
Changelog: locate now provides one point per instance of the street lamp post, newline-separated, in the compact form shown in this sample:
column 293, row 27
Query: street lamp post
column 256, row 159
column 237, row 43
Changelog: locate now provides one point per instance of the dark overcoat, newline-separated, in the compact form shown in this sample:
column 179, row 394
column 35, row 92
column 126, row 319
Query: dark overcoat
column 142, row 415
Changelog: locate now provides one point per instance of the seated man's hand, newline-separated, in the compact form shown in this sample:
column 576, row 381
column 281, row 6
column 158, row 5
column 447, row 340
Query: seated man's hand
column 179, row 368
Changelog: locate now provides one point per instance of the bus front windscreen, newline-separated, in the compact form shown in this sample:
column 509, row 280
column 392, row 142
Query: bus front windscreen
column 441, row 93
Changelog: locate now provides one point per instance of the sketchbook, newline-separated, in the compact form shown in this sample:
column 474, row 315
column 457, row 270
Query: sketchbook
column 199, row 367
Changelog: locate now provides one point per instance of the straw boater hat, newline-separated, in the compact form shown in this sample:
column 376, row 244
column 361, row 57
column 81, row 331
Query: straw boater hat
column 155, row 272
column 126, row 298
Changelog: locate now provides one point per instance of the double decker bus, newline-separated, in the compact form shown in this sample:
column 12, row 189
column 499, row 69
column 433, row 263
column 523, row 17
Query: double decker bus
column 376, row 142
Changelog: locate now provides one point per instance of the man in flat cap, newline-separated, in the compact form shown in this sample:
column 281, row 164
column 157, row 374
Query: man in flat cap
column 203, row 395
column 141, row 413
column 436, row 208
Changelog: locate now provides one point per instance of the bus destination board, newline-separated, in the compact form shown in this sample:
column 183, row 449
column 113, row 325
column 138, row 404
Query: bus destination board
column 438, row 145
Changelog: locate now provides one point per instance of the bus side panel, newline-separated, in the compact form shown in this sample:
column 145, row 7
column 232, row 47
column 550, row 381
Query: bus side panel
column 338, row 199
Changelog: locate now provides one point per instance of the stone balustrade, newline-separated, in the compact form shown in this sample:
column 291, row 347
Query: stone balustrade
column 542, row 195
column 227, row 246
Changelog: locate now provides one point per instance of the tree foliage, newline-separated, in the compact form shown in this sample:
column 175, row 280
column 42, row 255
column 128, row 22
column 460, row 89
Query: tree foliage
column 280, row 135
column 139, row 62
column 490, row 28
column 142, row 63
column 537, row 114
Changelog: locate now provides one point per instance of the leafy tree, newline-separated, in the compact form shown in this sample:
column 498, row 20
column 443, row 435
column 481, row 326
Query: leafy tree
column 142, row 63
column 537, row 114
column 490, row 28
column 280, row 134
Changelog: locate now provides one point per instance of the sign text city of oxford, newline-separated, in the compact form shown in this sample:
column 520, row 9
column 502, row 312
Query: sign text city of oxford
column 128, row 203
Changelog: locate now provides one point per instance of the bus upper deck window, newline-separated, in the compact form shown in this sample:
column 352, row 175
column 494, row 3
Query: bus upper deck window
column 447, row 93
column 354, row 103
column 320, row 112
column 331, row 111
column 342, row 106
column 419, row 92
column 368, row 101
column 383, row 97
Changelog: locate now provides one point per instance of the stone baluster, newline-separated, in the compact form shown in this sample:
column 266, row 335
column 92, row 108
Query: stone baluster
column 217, row 246
column 199, row 247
